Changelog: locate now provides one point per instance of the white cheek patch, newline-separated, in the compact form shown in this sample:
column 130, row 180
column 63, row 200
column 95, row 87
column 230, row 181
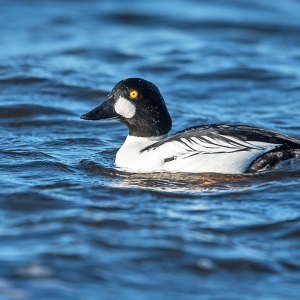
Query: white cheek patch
column 125, row 108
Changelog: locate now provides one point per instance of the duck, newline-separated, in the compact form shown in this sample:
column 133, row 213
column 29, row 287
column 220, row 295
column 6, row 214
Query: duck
column 210, row 148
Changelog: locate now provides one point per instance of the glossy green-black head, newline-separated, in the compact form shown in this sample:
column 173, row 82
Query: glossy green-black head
column 139, row 105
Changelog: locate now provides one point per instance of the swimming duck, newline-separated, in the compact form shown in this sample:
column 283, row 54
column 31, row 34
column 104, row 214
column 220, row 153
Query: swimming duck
column 219, row 148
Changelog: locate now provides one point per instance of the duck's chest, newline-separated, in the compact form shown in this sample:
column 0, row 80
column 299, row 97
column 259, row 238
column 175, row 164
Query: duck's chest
column 131, row 157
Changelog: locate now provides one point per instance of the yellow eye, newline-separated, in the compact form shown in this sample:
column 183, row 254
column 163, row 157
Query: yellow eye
column 133, row 94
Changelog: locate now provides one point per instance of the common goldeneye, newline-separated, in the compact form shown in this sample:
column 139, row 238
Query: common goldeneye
column 230, row 149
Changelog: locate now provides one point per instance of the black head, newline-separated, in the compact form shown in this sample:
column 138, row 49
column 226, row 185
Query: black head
column 139, row 105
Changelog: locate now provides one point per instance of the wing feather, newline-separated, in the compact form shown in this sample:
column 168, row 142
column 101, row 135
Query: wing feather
column 220, row 144
column 222, row 148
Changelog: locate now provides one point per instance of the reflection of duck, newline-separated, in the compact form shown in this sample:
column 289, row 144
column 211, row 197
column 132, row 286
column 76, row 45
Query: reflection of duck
column 232, row 149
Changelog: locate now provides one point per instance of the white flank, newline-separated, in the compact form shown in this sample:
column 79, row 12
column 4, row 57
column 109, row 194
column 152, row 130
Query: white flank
column 125, row 108
column 193, row 156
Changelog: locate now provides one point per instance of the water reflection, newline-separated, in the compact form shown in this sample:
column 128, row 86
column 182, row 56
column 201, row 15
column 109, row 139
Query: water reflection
column 189, row 182
column 182, row 182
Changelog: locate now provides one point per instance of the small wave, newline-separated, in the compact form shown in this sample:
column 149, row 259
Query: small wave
column 22, row 80
column 74, row 141
column 73, row 91
column 28, row 166
column 247, row 26
column 96, row 169
column 30, row 111
column 135, row 18
column 24, row 154
column 254, row 74
column 249, row 264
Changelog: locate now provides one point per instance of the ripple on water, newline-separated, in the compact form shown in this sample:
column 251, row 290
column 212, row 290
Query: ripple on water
column 31, row 111
column 75, row 227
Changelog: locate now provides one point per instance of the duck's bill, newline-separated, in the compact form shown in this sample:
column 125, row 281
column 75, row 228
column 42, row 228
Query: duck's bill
column 104, row 111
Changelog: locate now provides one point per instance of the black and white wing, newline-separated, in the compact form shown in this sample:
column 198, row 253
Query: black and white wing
column 225, row 149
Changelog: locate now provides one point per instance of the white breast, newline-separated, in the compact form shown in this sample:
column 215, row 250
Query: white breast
column 129, row 157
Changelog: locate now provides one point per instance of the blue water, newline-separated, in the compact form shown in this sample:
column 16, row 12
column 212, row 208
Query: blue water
column 74, row 227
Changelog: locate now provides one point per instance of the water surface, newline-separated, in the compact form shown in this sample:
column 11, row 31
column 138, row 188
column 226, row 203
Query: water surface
column 74, row 227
